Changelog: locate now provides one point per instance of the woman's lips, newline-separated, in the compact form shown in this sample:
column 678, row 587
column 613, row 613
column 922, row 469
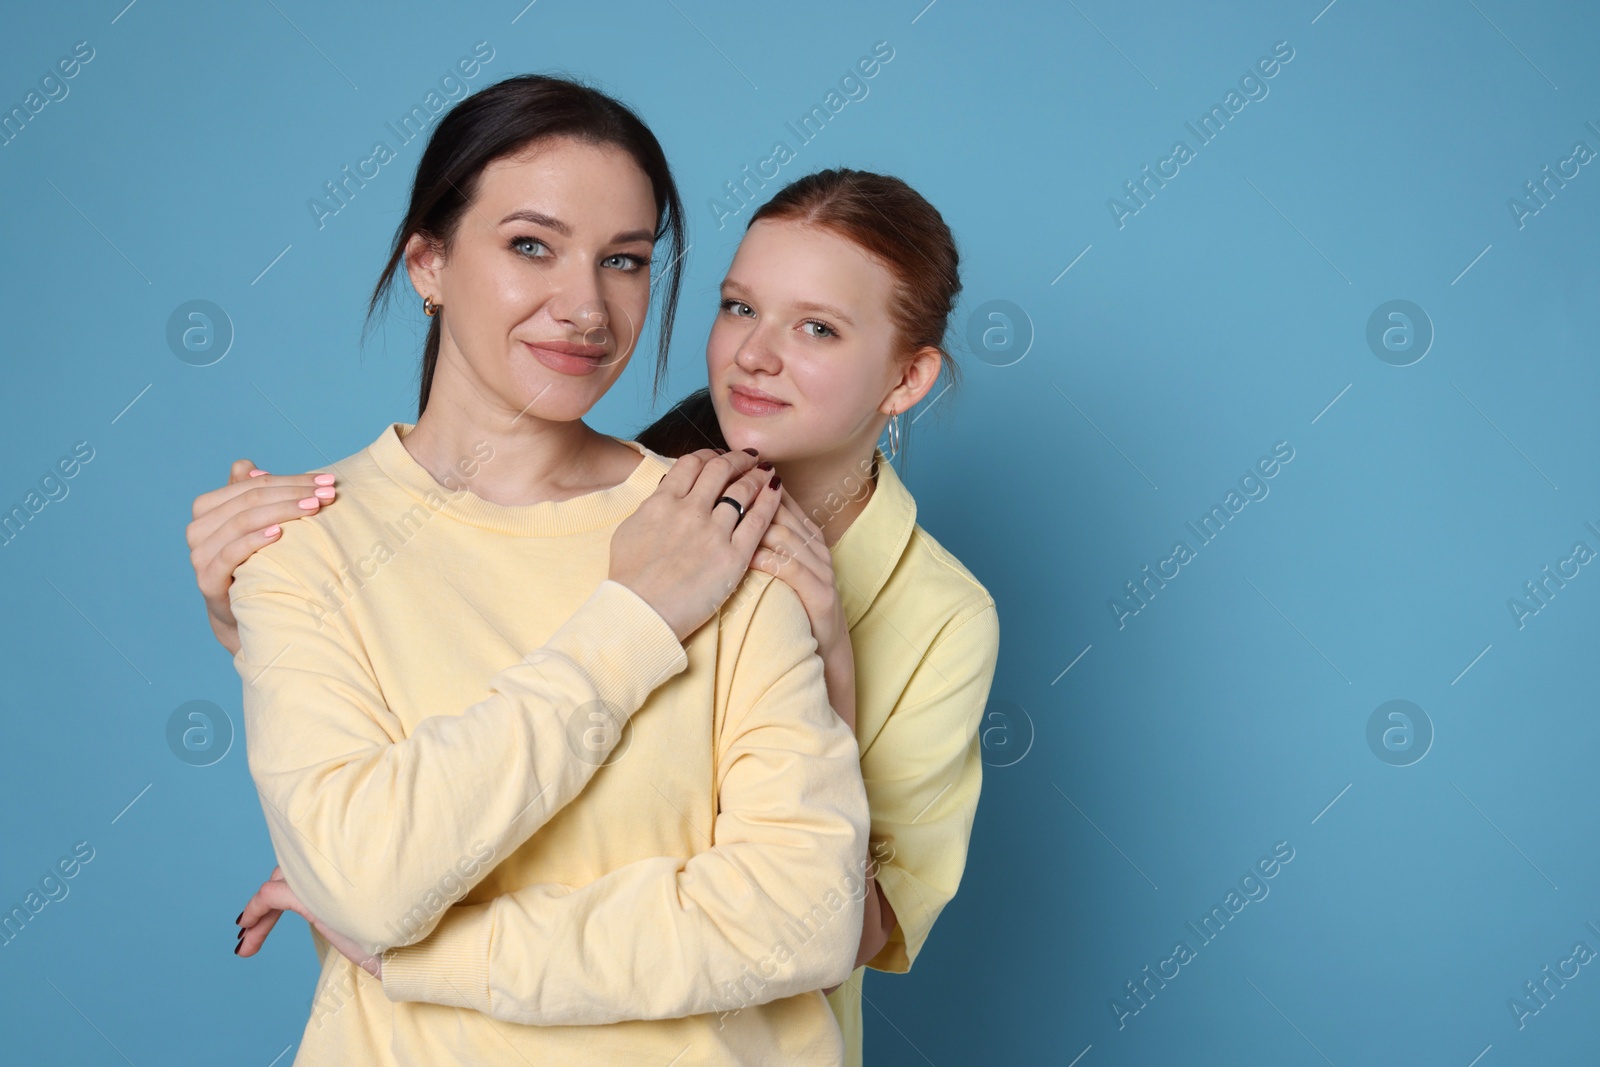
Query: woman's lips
column 747, row 402
column 567, row 357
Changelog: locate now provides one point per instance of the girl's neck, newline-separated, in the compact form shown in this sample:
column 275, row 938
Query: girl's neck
column 515, row 460
column 832, row 490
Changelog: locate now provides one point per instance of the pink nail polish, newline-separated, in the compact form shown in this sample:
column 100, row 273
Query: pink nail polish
column 257, row 474
column 310, row 502
column 325, row 492
column 323, row 479
column 270, row 531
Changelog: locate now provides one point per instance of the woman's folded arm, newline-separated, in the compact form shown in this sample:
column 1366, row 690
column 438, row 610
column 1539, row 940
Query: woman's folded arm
column 771, row 909
column 377, row 831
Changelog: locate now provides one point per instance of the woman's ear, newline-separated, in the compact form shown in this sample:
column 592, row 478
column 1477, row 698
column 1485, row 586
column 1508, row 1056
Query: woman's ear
column 423, row 263
column 917, row 376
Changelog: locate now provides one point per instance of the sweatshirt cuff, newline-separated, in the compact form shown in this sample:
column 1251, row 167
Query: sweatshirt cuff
column 624, row 647
column 911, row 921
column 450, row 966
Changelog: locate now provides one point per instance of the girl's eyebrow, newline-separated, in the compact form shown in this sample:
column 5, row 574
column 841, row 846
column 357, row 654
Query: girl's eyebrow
column 826, row 309
column 539, row 218
column 731, row 286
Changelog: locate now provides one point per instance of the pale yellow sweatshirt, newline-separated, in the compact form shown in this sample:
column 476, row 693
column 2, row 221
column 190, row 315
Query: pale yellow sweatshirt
column 926, row 639
column 442, row 694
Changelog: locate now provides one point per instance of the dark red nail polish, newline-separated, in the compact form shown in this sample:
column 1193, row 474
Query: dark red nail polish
column 763, row 466
column 776, row 481
column 237, row 947
column 752, row 451
column 239, row 920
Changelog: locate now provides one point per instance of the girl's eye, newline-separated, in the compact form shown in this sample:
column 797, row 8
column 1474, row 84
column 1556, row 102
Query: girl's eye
column 737, row 307
column 625, row 262
column 517, row 244
column 826, row 330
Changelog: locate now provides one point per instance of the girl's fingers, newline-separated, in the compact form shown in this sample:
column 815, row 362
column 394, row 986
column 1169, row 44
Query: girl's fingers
column 807, row 586
column 788, row 545
column 790, row 515
column 207, row 502
column 257, row 507
column 216, row 574
column 240, row 471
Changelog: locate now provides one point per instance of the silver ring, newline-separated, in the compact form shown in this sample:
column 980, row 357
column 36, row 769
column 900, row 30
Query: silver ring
column 736, row 507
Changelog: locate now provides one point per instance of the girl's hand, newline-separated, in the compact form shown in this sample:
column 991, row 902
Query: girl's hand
column 230, row 523
column 684, row 553
column 793, row 550
column 271, row 901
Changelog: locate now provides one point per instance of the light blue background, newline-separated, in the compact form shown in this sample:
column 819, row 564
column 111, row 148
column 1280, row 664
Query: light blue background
column 1227, row 315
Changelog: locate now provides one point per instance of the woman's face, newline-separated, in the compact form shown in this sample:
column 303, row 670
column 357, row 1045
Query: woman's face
column 546, row 282
column 805, row 321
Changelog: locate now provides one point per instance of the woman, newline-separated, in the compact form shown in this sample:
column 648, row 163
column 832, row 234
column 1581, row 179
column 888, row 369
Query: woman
column 881, row 261
column 499, row 668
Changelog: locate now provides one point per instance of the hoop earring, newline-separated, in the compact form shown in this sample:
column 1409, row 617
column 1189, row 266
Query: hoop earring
column 429, row 308
column 894, row 435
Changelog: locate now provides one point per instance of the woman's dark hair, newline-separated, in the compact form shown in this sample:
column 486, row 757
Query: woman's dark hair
column 500, row 120
column 884, row 217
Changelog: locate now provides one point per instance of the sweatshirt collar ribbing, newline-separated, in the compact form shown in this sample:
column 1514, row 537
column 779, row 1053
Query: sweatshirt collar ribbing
column 591, row 511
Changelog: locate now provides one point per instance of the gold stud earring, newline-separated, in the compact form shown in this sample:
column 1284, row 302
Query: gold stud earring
column 429, row 308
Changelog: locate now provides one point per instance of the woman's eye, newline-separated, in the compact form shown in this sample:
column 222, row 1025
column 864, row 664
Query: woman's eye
column 518, row 244
column 737, row 307
column 625, row 262
column 823, row 329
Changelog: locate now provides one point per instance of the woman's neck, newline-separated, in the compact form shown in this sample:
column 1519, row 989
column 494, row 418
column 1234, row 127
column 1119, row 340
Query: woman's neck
column 832, row 490
column 515, row 460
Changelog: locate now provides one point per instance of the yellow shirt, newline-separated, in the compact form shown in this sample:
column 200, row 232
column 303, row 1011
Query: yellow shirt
column 447, row 702
column 926, row 638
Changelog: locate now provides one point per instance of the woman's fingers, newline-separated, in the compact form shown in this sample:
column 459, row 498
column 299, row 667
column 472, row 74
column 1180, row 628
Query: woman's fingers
column 251, row 938
column 757, row 518
column 743, row 489
column 718, row 473
column 681, row 477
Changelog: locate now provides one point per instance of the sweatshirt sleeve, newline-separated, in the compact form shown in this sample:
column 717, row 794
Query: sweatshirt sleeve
column 923, row 773
column 366, row 821
column 772, row 908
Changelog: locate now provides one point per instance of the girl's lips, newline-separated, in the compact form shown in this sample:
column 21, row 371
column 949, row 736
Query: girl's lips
column 564, row 357
column 753, row 402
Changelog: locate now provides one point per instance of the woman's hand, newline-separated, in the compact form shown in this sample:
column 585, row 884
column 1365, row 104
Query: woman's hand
column 232, row 522
column 271, row 901
column 684, row 553
column 793, row 550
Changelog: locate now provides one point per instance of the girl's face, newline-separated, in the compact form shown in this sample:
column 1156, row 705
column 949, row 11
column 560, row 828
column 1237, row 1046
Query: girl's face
column 546, row 283
column 801, row 356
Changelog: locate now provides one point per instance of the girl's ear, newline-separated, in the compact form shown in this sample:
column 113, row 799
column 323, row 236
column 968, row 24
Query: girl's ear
column 917, row 376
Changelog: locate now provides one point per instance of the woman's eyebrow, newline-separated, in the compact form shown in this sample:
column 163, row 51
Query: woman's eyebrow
column 539, row 218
